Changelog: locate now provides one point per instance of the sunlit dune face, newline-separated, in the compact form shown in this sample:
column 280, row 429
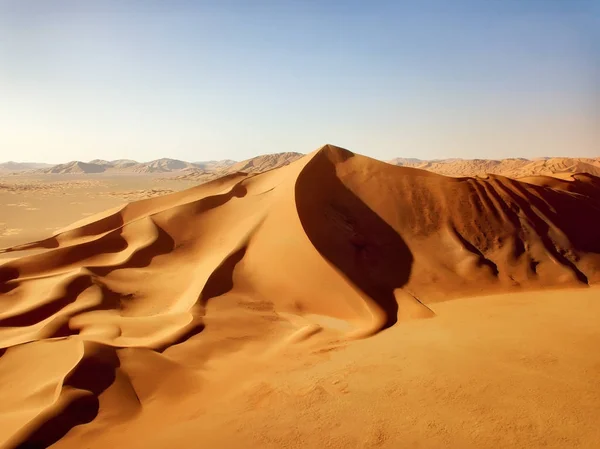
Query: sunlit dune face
column 274, row 308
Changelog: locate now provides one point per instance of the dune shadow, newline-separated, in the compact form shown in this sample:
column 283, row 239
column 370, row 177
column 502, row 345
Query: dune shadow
column 93, row 375
column 482, row 260
column 8, row 276
column 214, row 201
column 221, row 280
column 48, row 243
column 568, row 218
column 106, row 224
column 193, row 330
column 577, row 216
column 141, row 258
column 350, row 235
column 72, row 290
column 164, row 242
column 54, row 259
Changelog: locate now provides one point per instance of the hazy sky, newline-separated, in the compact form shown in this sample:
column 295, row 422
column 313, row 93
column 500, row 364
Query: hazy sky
column 200, row 80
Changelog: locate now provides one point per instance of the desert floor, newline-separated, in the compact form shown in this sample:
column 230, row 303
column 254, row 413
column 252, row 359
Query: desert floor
column 274, row 311
column 506, row 371
column 33, row 207
column 517, row 371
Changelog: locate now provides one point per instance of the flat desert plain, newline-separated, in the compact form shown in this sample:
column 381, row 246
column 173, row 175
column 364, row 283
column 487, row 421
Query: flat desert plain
column 34, row 206
column 336, row 302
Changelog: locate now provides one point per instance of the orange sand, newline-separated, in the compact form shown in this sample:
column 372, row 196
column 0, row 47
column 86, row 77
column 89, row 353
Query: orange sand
column 278, row 310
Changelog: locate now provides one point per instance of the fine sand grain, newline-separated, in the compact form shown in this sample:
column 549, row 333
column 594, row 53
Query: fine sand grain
column 337, row 302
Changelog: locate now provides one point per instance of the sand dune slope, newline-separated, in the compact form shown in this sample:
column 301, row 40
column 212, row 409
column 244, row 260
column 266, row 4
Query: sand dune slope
column 513, row 168
column 135, row 308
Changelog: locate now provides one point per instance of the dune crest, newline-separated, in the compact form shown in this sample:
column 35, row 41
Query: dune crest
column 334, row 246
column 513, row 167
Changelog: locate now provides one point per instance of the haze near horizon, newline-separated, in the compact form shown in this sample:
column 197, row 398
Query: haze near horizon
column 228, row 80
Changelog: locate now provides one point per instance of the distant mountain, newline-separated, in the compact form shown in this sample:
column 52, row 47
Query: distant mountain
column 73, row 167
column 254, row 165
column 263, row 163
column 207, row 170
column 164, row 165
column 214, row 165
column 121, row 164
column 11, row 166
column 405, row 162
column 101, row 162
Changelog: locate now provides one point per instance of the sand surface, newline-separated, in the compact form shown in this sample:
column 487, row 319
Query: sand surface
column 35, row 206
column 334, row 302
column 513, row 168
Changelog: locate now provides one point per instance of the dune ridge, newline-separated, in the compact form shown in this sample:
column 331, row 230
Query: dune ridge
column 512, row 167
column 334, row 245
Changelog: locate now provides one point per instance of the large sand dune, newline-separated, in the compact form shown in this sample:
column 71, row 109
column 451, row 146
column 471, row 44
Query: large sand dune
column 234, row 314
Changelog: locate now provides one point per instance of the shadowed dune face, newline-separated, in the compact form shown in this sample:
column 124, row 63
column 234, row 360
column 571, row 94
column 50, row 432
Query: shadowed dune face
column 366, row 250
column 94, row 373
column 467, row 235
column 332, row 247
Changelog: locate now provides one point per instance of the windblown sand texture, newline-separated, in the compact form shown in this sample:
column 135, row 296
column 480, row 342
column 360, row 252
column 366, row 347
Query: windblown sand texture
column 33, row 207
column 513, row 168
column 281, row 310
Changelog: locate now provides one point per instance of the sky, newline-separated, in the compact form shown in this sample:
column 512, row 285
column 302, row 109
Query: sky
column 231, row 79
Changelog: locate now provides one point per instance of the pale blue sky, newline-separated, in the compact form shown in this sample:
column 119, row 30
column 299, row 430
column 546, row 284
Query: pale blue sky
column 200, row 80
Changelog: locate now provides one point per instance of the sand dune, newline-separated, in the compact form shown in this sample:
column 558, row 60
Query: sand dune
column 184, row 302
column 513, row 168
column 554, row 166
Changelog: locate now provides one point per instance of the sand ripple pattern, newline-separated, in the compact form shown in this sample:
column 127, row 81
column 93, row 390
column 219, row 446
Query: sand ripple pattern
column 334, row 244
